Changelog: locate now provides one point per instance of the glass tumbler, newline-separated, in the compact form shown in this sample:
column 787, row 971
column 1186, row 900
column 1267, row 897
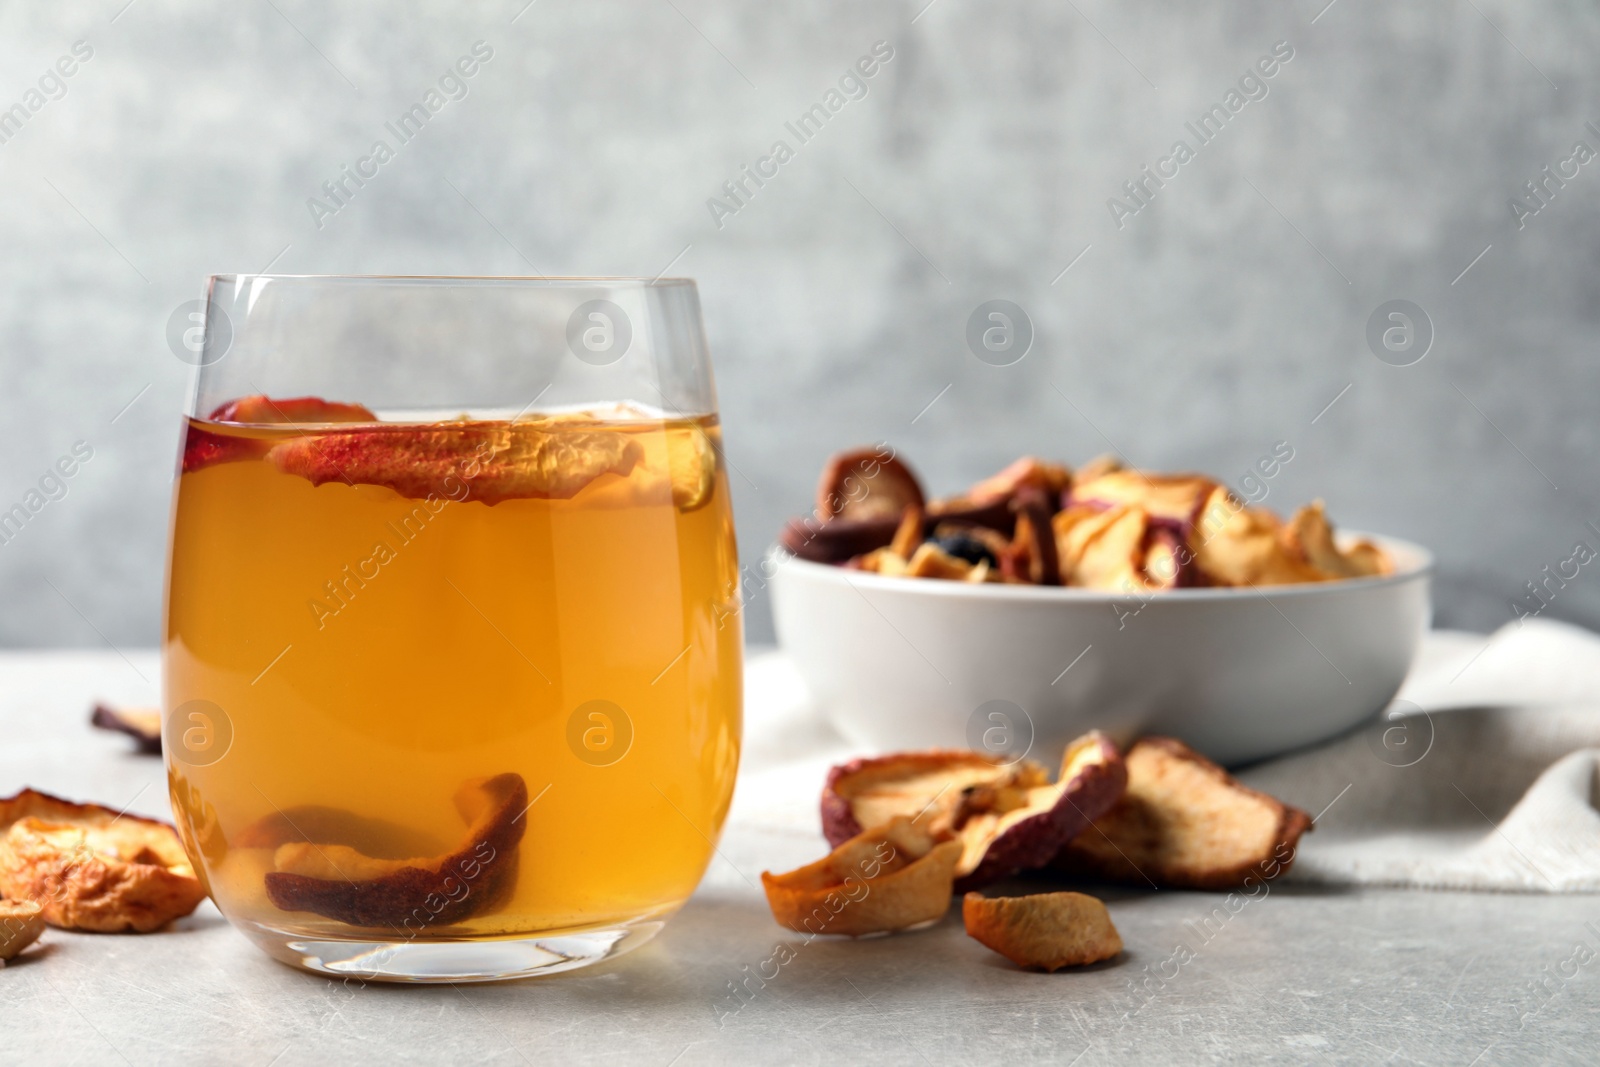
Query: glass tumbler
column 452, row 643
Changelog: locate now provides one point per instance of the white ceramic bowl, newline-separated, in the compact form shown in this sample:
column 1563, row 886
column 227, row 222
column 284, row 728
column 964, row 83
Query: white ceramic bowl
column 900, row 663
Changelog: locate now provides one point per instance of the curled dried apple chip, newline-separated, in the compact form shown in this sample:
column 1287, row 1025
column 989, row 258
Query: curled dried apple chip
column 491, row 461
column 317, row 868
column 836, row 540
column 692, row 460
column 205, row 447
column 21, row 923
column 1308, row 536
column 1029, row 472
column 1045, row 931
column 141, row 724
column 1008, row 817
column 303, row 410
column 1185, row 823
column 893, row 877
column 91, row 868
column 867, row 483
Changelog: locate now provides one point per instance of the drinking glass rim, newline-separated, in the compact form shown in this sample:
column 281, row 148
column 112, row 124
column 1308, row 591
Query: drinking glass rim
column 554, row 281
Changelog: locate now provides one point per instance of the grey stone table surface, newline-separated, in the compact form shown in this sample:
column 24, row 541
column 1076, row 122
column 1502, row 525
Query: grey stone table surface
column 1297, row 976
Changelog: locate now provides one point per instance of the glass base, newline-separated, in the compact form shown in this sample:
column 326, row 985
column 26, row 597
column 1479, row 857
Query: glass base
column 487, row 960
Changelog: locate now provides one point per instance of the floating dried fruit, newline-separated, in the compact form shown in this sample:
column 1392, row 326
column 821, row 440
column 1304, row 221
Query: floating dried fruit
column 21, row 923
column 893, row 877
column 494, row 461
column 692, row 463
column 1185, row 823
column 1048, row 931
column 316, row 867
column 141, row 724
column 1008, row 817
column 300, row 410
column 91, row 868
column 204, row 446
column 867, row 483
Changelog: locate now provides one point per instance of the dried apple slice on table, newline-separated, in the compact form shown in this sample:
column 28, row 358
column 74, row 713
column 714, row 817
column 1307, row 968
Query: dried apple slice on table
column 141, row 724
column 91, row 868
column 316, row 868
column 1185, row 823
column 889, row 878
column 1043, row 931
column 1007, row 817
column 21, row 923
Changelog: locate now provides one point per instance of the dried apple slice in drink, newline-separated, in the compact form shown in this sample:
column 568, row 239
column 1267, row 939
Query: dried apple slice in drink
column 492, row 461
column 1042, row 931
column 299, row 410
column 341, row 881
column 204, row 447
column 889, row 878
column 692, row 462
column 1008, row 817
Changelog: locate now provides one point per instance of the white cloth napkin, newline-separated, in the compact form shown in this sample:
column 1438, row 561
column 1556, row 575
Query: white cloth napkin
column 1482, row 775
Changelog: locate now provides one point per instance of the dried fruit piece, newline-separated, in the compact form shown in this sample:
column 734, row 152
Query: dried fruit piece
column 837, row 540
column 1048, row 931
column 890, row 878
column 21, row 923
column 1171, row 500
column 908, row 535
column 692, row 461
column 91, row 868
column 1237, row 545
column 300, row 410
column 141, row 724
column 1308, row 536
column 496, row 461
column 932, row 561
column 994, row 515
column 867, row 483
column 204, row 446
column 1008, row 817
column 975, row 544
column 1050, row 479
column 318, row 869
column 1033, row 556
column 1185, row 823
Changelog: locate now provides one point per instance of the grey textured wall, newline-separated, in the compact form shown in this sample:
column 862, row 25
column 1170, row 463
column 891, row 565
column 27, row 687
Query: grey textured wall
column 1221, row 318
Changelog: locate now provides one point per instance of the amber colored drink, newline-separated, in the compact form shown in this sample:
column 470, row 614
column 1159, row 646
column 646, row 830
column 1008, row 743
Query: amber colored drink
column 374, row 617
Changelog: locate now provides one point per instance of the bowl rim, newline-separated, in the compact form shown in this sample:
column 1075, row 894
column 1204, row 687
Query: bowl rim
column 1412, row 562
